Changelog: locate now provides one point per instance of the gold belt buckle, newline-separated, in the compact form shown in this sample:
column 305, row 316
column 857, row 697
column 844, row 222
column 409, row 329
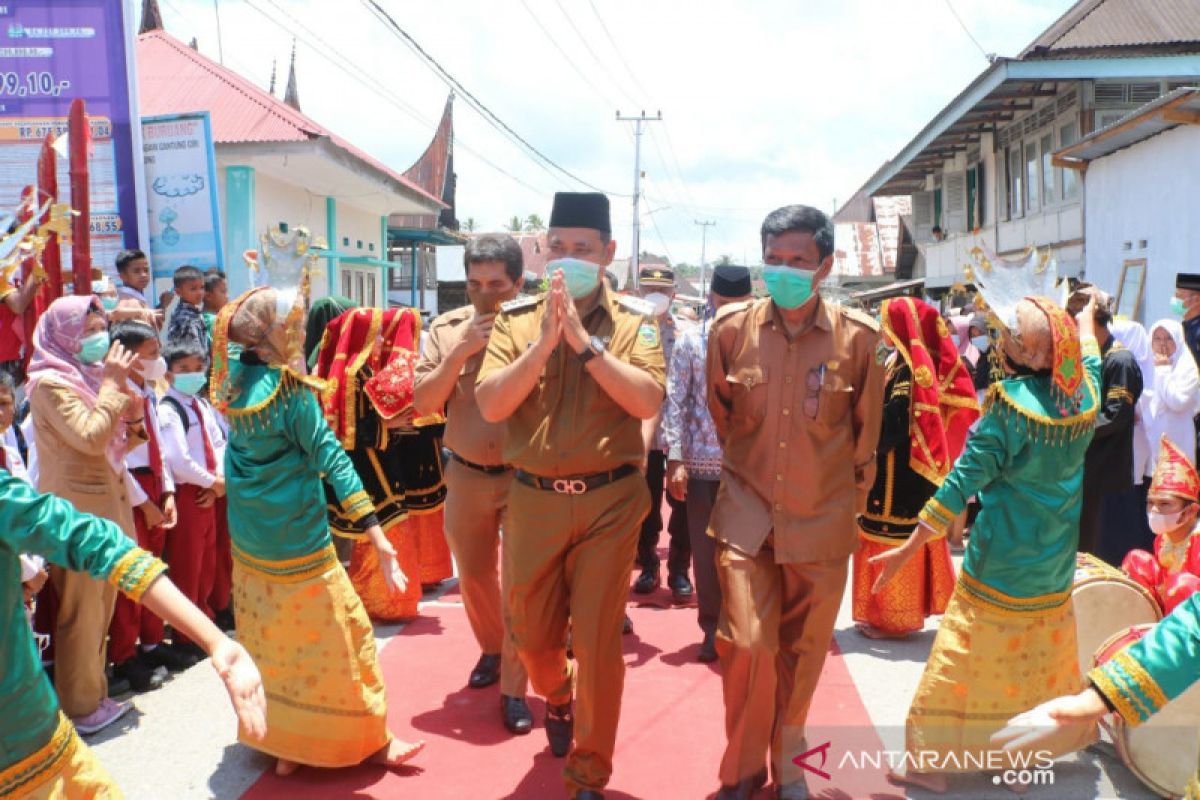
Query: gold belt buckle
column 569, row 486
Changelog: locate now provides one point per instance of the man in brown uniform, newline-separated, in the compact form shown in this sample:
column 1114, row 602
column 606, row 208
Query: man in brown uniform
column 574, row 371
column 477, row 479
column 795, row 388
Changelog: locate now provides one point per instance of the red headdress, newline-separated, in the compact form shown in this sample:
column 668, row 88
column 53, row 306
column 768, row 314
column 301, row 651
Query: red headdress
column 349, row 346
column 1174, row 473
column 943, row 404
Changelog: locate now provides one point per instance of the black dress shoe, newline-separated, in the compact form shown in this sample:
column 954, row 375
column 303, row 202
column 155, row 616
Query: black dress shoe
column 167, row 657
column 680, row 586
column 647, row 582
column 744, row 789
column 708, row 649
column 118, row 686
column 141, row 676
column 627, row 626
column 516, row 714
column 560, row 728
column 486, row 672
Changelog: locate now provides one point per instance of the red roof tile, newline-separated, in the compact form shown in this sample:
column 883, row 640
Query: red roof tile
column 174, row 79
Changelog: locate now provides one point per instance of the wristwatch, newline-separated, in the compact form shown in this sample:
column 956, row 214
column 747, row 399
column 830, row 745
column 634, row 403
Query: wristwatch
column 595, row 348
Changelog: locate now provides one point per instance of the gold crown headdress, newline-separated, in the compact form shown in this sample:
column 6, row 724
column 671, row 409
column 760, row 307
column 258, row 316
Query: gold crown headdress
column 1003, row 284
column 29, row 239
column 286, row 261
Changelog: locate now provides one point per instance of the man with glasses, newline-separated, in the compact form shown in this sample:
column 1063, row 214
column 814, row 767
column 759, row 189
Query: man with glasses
column 795, row 388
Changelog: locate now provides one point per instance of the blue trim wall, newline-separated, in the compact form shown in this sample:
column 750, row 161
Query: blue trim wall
column 239, row 226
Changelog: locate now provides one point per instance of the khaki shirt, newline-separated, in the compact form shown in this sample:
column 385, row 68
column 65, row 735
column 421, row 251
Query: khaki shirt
column 467, row 433
column 569, row 425
column 798, row 420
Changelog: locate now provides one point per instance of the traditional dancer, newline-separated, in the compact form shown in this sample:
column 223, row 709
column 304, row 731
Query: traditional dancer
column 296, row 608
column 1172, row 571
column 1136, row 683
column 929, row 406
column 41, row 755
column 1007, row 641
column 365, row 349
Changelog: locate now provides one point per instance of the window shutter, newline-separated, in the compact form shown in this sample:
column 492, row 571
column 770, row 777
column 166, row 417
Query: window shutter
column 922, row 205
column 954, row 210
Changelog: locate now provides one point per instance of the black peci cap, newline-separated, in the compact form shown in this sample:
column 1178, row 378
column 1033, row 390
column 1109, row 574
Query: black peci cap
column 1188, row 280
column 730, row 280
column 581, row 210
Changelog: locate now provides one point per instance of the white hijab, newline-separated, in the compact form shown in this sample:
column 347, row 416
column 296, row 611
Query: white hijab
column 1183, row 366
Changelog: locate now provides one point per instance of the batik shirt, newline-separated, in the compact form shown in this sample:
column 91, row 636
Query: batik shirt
column 668, row 328
column 688, row 429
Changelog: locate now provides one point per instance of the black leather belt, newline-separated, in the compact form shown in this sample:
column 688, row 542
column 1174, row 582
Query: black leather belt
column 575, row 484
column 486, row 470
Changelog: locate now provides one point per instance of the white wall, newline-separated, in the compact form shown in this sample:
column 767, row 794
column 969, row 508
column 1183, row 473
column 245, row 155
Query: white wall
column 1145, row 192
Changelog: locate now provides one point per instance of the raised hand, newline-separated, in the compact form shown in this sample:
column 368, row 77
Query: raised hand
column 552, row 318
column 476, row 336
column 573, row 331
column 117, row 364
column 240, row 676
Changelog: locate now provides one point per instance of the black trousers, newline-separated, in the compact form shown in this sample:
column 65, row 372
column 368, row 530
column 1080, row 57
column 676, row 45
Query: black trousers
column 679, row 555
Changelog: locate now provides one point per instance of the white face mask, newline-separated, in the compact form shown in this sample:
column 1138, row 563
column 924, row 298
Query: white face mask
column 980, row 342
column 153, row 368
column 661, row 302
column 1163, row 523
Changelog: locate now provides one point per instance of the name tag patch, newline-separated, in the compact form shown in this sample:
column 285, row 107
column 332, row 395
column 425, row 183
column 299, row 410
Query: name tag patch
column 648, row 334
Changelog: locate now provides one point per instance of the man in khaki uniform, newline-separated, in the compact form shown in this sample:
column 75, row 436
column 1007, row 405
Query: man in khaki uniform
column 795, row 388
column 574, row 371
column 477, row 479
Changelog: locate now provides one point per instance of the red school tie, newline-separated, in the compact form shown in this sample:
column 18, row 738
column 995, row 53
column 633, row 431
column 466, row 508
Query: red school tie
column 3, row 458
column 210, row 457
column 155, row 454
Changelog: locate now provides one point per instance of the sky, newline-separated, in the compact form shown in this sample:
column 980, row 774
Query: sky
column 764, row 102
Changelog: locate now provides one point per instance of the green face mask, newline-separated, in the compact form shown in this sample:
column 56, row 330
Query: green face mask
column 189, row 382
column 789, row 288
column 580, row 276
column 93, row 348
column 1177, row 307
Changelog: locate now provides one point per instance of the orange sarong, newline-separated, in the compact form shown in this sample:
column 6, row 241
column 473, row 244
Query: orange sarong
column 921, row 588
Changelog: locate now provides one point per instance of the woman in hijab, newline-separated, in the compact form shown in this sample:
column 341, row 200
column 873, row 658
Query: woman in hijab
column 929, row 405
column 367, row 357
column 298, row 615
column 1174, row 391
column 84, row 418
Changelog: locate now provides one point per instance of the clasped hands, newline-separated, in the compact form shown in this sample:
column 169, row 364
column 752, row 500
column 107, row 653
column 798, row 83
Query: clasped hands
column 561, row 319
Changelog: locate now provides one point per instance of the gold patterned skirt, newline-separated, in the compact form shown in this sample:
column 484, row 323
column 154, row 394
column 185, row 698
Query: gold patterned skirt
column 381, row 602
column 921, row 588
column 308, row 632
column 987, row 666
column 64, row 767
column 425, row 497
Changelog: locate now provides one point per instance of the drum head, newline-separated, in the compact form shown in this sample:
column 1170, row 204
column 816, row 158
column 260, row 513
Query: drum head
column 1162, row 751
column 1107, row 603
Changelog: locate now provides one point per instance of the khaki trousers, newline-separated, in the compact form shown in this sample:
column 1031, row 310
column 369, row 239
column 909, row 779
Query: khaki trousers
column 775, row 627
column 568, row 557
column 476, row 503
column 85, row 607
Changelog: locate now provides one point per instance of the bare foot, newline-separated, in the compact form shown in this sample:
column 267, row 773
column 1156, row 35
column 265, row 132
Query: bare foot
column 871, row 632
column 397, row 753
column 283, row 767
column 930, row 781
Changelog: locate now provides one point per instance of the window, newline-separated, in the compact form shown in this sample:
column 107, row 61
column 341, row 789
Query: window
column 1069, row 179
column 1016, row 192
column 1047, row 145
column 1031, row 177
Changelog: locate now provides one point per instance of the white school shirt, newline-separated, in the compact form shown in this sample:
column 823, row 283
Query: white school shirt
column 139, row 457
column 185, row 454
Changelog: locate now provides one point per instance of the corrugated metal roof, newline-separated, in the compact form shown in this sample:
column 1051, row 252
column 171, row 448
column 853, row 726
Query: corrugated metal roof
column 174, row 79
column 1093, row 24
column 1163, row 114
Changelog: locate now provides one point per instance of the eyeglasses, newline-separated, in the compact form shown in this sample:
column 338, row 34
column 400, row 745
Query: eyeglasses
column 812, row 397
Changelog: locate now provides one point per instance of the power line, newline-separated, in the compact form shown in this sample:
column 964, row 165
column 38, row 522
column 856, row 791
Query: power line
column 587, row 46
column 989, row 56
column 617, row 50
column 470, row 98
column 550, row 38
column 347, row 65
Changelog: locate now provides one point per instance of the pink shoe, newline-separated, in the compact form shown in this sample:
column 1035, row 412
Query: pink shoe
column 108, row 712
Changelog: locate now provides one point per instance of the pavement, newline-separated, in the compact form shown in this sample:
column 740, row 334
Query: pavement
column 179, row 742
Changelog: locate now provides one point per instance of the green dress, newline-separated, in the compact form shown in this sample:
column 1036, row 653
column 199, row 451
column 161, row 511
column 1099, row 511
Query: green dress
column 280, row 448
column 1025, row 463
column 1144, row 677
column 48, row 526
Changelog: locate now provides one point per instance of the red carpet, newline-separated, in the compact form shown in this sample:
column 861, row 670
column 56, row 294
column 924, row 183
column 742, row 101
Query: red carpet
column 668, row 748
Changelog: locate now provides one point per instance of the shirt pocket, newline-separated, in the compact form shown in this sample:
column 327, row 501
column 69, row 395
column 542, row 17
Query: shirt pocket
column 748, row 386
column 834, row 402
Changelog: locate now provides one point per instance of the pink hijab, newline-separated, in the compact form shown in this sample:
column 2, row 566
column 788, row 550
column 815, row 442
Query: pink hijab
column 57, row 340
column 962, row 327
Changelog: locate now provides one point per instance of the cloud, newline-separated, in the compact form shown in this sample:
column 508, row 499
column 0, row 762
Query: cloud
column 177, row 185
column 765, row 102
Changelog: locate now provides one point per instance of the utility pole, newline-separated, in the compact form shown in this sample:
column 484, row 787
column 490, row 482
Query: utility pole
column 704, row 226
column 639, row 120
